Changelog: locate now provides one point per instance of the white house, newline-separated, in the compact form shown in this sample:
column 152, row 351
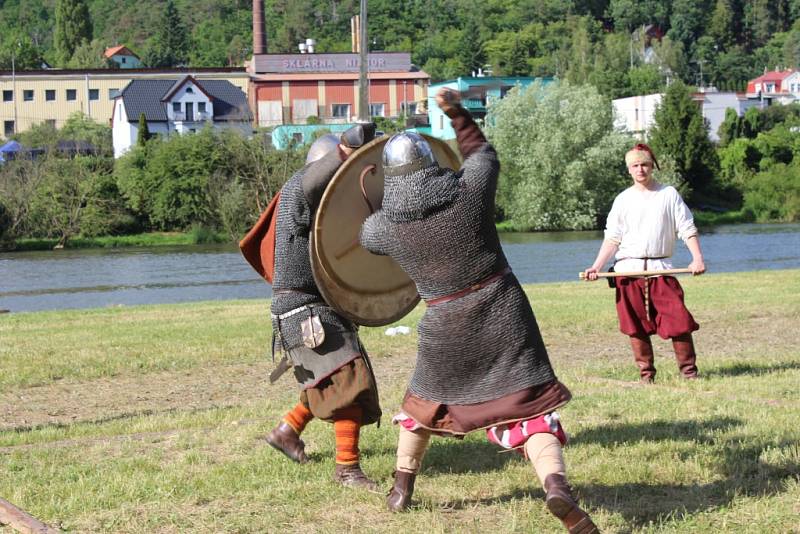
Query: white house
column 175, row 106
column 123, row 57
column 636, row 114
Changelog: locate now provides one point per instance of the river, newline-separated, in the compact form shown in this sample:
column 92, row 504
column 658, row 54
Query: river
column 91, row 278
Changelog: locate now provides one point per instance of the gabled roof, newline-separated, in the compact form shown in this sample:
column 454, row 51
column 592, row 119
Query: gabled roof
column 775, row 76
column 148, row 97
column 120, row 50
column 180, row 83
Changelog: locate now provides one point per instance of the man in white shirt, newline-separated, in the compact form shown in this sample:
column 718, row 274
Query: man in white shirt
column 641, row 229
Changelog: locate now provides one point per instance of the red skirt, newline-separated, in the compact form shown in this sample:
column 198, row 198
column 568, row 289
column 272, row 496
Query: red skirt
column 668, row 315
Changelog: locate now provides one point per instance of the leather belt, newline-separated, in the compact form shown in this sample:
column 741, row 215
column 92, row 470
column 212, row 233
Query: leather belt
column 471, row 289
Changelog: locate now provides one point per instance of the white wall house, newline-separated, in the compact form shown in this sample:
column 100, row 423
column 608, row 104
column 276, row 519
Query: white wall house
column 177, row 106
column 634, row 114
column 123, row 57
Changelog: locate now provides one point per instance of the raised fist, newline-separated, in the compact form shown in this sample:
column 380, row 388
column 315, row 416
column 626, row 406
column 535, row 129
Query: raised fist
column 447, row 99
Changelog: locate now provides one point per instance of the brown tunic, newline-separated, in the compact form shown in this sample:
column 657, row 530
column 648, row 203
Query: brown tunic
column 458, row 420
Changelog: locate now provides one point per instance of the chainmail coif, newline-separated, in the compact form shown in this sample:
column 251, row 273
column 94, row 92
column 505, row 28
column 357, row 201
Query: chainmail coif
column 438, row 224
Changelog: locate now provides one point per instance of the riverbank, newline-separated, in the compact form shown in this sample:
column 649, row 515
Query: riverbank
column 150, row 418
column 196, row 236
column 201, row 235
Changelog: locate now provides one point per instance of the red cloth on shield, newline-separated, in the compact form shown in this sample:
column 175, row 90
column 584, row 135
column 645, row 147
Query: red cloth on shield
column 668, row 314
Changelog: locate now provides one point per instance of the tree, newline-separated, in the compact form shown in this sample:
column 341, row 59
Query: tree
column 144, row 131
column 471, row 48
column 25, row 54
column 722, row 27
column 731, row 127
column 170, row 46
column 688, row 20
column 681, row 132
column 645, row 80
column 73, row 28
column 89, row 56
column 562, row 158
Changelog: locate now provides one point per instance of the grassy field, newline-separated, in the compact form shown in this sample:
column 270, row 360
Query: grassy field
column 151, row 420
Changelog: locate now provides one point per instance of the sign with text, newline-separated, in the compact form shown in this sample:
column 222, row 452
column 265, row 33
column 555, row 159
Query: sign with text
column 302, row 63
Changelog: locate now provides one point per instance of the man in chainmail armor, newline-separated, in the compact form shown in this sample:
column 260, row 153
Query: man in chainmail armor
column 330, row 364
column 481, row 361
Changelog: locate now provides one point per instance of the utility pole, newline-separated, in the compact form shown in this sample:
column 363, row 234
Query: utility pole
column 14, row 87
column 363, row 81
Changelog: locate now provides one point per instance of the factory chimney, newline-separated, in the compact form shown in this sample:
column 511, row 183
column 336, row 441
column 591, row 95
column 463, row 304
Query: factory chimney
column 259, row 32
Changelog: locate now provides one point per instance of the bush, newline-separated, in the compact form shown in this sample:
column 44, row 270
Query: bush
column 774, row 195
column 562, row 160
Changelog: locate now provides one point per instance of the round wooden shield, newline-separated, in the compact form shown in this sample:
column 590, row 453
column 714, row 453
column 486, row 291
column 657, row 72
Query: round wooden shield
column 368, row 289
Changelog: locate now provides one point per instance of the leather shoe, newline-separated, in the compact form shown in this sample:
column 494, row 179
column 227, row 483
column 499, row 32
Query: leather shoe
column 352, row 476
column 564, row 506
column 399, row 498
column 284, row 438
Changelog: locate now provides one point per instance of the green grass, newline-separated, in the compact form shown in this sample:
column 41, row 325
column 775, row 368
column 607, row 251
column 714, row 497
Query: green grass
column 150, row 419
column 195, row 236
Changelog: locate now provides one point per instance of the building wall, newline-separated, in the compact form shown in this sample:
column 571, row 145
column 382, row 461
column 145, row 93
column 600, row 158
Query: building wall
column 122, row 133
column 126, row 62
column 25, row 114
column 327, row 93
column 635, row 114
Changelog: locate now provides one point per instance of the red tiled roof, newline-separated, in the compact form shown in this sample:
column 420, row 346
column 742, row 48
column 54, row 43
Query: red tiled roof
column 121, row 49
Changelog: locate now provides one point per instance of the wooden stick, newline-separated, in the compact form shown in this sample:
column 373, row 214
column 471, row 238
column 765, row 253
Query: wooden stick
column 22, row 521
column 633, row 274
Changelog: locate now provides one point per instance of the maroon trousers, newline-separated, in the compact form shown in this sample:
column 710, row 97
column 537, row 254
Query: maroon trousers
column 668, row 316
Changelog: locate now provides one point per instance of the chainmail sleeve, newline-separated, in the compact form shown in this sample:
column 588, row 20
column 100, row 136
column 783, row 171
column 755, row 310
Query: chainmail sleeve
column 373, row 234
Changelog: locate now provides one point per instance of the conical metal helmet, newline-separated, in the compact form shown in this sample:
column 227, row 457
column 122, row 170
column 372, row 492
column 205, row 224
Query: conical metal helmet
column 406, row 152
column 321, row 147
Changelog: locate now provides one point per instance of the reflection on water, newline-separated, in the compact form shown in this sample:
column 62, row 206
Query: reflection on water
column 99, row 277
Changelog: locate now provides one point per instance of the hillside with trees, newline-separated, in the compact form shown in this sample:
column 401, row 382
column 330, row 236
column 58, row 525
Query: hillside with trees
column 622, row 47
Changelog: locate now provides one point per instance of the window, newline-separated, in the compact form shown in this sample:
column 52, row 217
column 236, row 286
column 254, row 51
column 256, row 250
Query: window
column 27, row 95
column 341, row 111
column 412, row 108
column 51, row 123
column 376, row 110
column 71, row 94
column 176, row 107
column 8, row 128
column 113, row 93
column 94, row 94
column 190, row 90
column 201, row 107
column 8, row 96
column 303, row 109
column 49, row 95
column 123, row 58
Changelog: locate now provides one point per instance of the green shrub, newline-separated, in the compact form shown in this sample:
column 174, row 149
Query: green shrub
column 774, row 195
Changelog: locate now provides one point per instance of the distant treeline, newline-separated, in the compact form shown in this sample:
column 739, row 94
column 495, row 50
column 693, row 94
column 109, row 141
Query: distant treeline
column 622, row 47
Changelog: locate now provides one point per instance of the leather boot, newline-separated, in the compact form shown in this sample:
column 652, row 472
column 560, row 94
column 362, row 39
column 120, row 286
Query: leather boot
column 684, row 353
column 399, row 498
column 564, row 506
column 284, row 438
column 643, row 354
column 352, row 476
